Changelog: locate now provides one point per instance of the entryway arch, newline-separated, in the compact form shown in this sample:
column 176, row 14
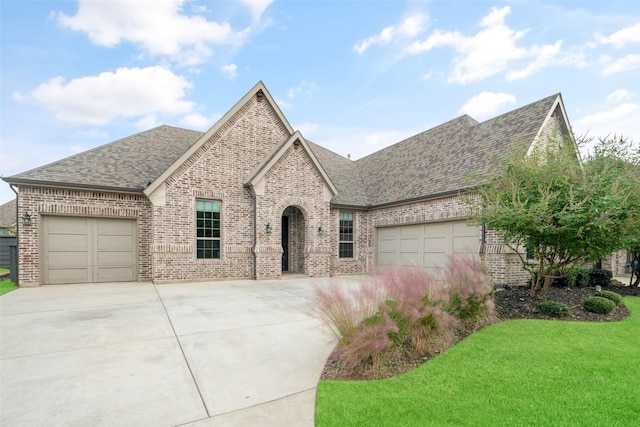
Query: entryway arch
column 293, row 239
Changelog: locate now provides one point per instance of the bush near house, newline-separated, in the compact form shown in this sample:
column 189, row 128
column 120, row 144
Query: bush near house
column 610, row 295
column 405, row 316
column 599, row 305
column 554, row 308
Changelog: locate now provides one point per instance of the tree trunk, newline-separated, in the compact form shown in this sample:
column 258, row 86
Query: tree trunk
column 545, row 288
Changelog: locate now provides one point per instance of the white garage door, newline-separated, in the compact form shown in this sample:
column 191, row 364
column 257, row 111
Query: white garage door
column 87, row 250
column 425, row 245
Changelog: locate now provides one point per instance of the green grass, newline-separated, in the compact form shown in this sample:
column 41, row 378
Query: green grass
column 516, row 373
column 7, row 286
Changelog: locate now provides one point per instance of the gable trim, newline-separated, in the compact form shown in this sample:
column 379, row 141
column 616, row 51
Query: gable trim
column 558, row 103
column 278, row 152
column 260, row 92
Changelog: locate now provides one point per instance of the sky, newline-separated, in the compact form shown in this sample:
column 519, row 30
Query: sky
column 352, row 76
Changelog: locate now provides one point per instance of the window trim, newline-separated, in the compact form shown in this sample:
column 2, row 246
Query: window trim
column 340, row 235
column 198, row 239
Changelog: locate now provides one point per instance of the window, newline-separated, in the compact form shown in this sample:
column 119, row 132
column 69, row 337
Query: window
column 346, row 235
column 208, row 228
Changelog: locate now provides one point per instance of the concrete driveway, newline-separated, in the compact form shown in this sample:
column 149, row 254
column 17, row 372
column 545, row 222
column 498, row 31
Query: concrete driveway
column 232, row 353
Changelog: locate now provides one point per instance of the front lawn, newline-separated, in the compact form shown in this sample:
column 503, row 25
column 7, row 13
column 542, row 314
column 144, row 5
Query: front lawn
column 513, row 373
column 7, row 286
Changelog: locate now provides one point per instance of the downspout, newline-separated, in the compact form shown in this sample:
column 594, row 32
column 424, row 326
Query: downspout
column 17, row 237
column 255, row 231
column 483, row 242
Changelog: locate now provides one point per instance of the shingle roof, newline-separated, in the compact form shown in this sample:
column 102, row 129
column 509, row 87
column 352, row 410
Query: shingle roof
column 8, row 215
column 437, row 161
column 440, row 160
column 127, row 164
column 345, row 176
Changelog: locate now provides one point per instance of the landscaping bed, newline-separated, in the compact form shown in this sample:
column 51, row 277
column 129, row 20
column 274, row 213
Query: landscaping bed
column 511, row 304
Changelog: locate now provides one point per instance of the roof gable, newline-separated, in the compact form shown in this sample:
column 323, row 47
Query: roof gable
column 295, row 139
column 260, row 92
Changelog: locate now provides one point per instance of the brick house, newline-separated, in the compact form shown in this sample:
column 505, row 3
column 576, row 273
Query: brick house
column 252, row 198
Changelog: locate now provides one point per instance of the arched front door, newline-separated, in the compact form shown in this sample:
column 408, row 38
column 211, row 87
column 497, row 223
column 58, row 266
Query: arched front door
column 293, row 240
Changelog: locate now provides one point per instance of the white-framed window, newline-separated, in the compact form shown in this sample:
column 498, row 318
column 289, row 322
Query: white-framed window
column 207, row 229
column 345, row 249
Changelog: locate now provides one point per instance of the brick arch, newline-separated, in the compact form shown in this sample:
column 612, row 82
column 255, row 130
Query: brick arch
column 299, row 202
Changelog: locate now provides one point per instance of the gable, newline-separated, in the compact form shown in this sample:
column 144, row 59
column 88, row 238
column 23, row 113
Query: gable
column 250, row 129
column 257, row 179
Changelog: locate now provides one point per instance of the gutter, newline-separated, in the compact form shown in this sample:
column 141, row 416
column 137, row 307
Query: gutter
column 54, row 184
column 405, row 201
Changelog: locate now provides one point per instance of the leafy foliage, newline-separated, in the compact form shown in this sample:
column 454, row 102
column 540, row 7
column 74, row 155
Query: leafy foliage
column 600, row 305
column 610, row 295
column 554, row 308
column 563, row 211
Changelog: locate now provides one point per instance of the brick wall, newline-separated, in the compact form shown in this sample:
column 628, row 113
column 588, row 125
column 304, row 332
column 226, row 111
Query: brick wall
column 39, row 201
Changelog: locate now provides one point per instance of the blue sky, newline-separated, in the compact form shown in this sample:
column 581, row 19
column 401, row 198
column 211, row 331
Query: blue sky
column 353, row 76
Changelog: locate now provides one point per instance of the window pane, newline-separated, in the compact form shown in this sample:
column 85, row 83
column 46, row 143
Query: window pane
column 208, row 228
column 346, row 250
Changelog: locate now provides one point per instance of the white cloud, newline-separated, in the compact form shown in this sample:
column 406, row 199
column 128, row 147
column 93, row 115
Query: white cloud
column 622, row 37
column 147, row 122
column 488, row 52
column 283, row 104
column 626, row 63
column 158, row 27
column 544, row 55
column 409, row 28
column 197, row 121
column 257, row 7
column 487, row 104
column 305, row 88
column 125, row 93
column 230, row 70
column 619, row 95
column 308, row 128
column 615, row 117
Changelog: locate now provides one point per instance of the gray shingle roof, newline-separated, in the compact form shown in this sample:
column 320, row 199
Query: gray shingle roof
column 437, row 161
column 440, row 160
column 127, row 164
column 8, row 215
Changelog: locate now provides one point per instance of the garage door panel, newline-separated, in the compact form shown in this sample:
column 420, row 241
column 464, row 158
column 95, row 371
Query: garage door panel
column 435, row 242
column 67, row 225
column 115, row 259
column 84, row 250
column 68, row 259
column 115, row 243
column 114, row 274
column 68, row 242
column 72, row 275
column 412, row 244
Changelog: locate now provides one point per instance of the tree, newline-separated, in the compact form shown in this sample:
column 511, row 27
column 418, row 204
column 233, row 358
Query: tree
column 563, row 211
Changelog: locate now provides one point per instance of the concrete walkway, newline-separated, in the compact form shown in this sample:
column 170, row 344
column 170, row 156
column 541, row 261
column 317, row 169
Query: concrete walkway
column 232, row 353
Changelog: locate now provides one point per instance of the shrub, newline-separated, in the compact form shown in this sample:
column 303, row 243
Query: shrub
column 598, row 277
column 599, row 305
column 404, row 315
column 613, row 296
column 554, row 309
column 470, row 296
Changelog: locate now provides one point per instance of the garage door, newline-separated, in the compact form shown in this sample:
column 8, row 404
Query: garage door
column 425, row 245
column 87, row 250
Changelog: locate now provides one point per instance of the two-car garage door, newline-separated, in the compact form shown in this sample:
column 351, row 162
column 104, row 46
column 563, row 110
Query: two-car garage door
column 86, row 250
column 426, row 246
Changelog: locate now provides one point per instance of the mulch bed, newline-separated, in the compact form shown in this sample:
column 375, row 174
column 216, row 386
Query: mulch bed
column 511, row 304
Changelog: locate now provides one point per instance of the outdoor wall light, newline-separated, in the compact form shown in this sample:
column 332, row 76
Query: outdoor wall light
column 26, row 219
column 268, row 228
column 320, row 230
